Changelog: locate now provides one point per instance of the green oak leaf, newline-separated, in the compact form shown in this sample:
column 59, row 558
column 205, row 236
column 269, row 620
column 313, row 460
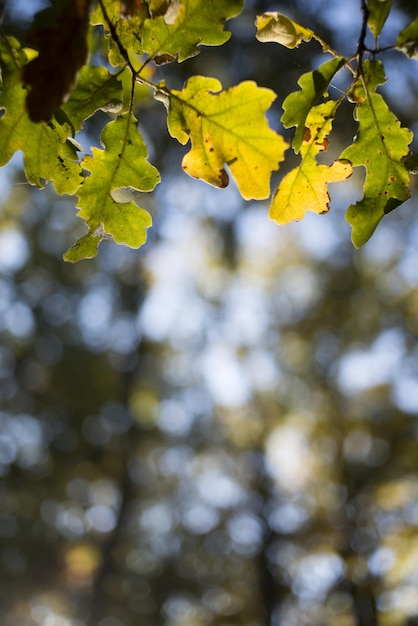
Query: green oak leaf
column 378, row 11
column 227, row 127
column 297, row 105
column 195, row 23
column 408, row 40
column 95, row 89
column 122, row 164
column 85, row 248
column 305, row 187
column 47, row 153
column 380, row 146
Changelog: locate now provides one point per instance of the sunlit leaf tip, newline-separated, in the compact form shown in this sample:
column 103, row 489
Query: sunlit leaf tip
column 378, row 11
column 85, row 248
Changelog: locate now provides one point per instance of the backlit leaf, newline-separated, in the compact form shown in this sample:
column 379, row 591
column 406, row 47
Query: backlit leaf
column 378, row 11
column 122, row 164
column 298, row 104
column 227, row 127
column 96, row 89
column 305, row 188
column 380, row 146
column 127, row 27
column 112, row 10
column 85, row 248
column 276, row 27
column 195, row 23
column 47, row 154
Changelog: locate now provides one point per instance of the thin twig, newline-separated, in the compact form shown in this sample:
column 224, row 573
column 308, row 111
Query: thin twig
column 361, row 47
column 379, row 50
column 115, row 37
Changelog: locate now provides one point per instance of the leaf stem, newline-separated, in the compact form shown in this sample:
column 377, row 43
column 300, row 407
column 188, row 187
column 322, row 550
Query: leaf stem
column 144, row 81
column 143, row 66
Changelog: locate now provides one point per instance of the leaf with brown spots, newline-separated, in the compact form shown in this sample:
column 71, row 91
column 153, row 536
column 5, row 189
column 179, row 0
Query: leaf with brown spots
column 380, row 147
column 305, row 188
column 227, row 128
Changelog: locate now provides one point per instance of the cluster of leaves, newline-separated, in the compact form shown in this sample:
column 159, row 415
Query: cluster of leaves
column 381, row 145
column 47, row 96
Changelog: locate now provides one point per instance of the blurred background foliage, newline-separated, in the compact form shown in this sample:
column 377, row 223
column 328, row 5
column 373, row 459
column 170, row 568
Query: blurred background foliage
column 219, row 428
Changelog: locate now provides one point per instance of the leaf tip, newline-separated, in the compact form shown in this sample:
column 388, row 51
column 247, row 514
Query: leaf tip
column 85, row 248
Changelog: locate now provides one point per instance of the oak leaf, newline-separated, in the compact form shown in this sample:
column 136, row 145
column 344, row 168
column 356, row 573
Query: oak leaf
column 380, row 146
column 47, row 153
column 313, row 85
column 305, row 188
column 123, row 164
column 194, row 23
column 96, row 88
column 227, row 128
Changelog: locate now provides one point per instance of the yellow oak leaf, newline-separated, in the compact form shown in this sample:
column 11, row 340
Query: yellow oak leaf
column 305, row 188
column 227, row 128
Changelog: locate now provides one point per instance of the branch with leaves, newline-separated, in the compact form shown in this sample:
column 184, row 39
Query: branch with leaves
column 47, row 96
